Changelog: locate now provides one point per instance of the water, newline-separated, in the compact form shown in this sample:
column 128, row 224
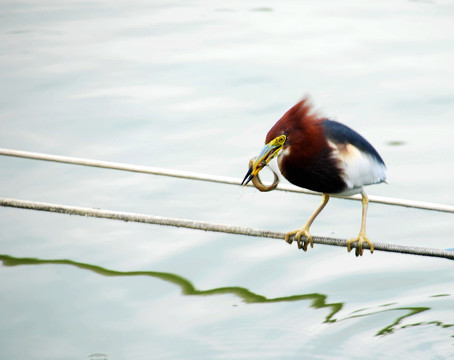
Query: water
column 195, row 86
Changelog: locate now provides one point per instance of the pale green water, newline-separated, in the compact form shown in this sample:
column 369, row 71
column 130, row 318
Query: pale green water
column 193, row 85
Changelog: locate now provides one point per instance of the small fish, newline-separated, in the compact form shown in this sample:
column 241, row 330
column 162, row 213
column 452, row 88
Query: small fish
column 258, row 183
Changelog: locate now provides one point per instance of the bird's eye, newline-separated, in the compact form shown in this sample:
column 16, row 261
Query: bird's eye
column 281, row 139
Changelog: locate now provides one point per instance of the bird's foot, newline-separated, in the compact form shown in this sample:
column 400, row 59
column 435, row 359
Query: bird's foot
column 304, row 231
column 360, row 239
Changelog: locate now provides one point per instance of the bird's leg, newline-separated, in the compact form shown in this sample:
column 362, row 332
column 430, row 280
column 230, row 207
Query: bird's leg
column 305, row 229
column 361, row 238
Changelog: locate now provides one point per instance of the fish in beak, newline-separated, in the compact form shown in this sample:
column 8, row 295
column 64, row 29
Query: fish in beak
column 270, row 151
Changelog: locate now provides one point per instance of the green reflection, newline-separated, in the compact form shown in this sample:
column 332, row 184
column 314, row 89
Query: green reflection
column 396, row 325
column 318, row 300
column 187, row 288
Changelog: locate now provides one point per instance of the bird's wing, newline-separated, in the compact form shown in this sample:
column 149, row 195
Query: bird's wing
column 361, row 163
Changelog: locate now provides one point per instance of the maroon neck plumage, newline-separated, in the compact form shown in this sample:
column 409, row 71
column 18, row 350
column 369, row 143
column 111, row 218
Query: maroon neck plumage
column 306, row 159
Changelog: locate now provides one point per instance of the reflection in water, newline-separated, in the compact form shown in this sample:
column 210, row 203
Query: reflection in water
column 411, row 311
column 318, row 300
column 98, row 356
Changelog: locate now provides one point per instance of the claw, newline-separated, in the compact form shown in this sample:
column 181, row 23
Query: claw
column 360, row 239
column 304, row 231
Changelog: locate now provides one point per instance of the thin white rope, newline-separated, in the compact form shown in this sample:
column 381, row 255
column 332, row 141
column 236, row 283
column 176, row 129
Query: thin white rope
column 211, row 178
column 207, row 226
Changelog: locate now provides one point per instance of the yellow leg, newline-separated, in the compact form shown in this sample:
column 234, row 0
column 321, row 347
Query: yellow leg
column 305, row 229
column 361, row 238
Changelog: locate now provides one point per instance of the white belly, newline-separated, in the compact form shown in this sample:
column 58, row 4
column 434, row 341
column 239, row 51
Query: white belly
column 359, row 168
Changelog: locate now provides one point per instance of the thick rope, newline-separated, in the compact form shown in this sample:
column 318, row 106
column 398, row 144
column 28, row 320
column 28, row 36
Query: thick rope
column 212, row 178
column 207, row 226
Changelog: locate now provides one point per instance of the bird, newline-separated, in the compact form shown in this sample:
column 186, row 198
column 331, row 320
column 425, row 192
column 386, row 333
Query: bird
column 323, row 155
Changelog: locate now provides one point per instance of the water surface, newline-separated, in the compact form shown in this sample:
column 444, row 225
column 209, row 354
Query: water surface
column 196, row 86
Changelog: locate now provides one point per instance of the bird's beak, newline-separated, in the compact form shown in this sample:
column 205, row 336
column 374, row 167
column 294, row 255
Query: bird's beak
column 266, row 155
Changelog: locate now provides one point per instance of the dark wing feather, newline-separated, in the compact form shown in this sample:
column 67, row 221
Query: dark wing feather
column 341, row 134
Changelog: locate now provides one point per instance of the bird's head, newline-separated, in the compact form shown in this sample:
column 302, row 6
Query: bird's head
column 295, row 136
column 270, row 151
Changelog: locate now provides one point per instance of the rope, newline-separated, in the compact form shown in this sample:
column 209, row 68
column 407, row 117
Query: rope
column 207, row 226
column 212, row 178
